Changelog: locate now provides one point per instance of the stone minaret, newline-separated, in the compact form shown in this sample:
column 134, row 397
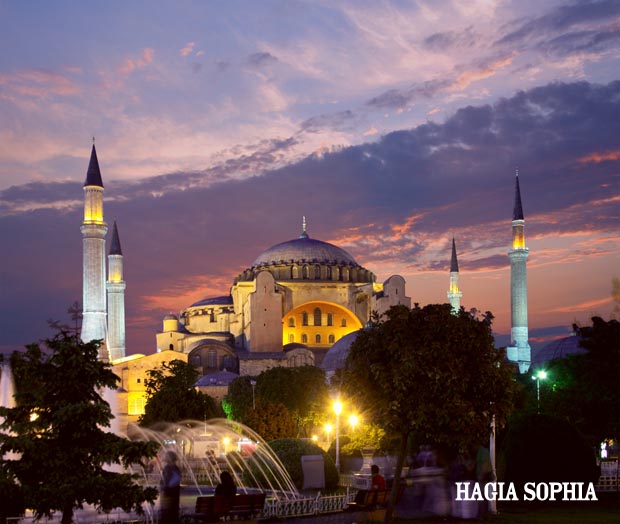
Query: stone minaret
column 116, row 299
column 94, row 230
column 519, row 350
column 454, row 293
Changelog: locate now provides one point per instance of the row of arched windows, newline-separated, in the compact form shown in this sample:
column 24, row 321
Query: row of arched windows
column 318, row 319
column 317, row 339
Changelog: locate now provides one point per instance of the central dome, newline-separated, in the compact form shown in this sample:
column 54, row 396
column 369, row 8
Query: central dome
column 304, row 249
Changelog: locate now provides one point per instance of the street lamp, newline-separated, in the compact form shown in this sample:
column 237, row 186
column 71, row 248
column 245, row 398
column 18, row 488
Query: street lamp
column 253, row 384
column 541, row 375
column 337, row 410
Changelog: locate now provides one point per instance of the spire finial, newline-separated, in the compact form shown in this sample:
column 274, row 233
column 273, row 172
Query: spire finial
column 454, row 263
column 304, row 233
column 93, row 139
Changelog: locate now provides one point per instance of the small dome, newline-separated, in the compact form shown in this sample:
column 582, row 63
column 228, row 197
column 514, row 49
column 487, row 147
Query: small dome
column 560, row 348
column 304, row 249
column 170, row 316
column 337, row 355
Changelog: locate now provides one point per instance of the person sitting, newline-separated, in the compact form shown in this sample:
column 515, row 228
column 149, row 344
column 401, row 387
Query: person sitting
column 378, row 481
column 226, row 487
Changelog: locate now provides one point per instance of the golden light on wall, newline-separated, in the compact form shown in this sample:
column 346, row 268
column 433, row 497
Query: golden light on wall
column 318, row 323
column 136, row 401
column 518, row 236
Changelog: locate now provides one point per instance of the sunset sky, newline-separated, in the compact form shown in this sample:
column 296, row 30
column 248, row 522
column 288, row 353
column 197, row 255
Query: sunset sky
column 391, row 125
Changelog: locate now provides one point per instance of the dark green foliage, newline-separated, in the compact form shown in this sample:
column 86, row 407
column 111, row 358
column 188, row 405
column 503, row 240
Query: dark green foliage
column 585, row 389
column 290, row 451
column 271, row 421
column 543, row 448
column 11, row 498
column 238, row 400
column 171, row 395
column 428, row 371
column 301, row 390
column 56, row 428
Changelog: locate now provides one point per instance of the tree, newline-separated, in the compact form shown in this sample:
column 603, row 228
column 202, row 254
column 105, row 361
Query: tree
column 271, row 420
column 171, row 396
column 238, row 401
column 430, row 372
column 57, row 431
column 301, row 389
column 585, row 388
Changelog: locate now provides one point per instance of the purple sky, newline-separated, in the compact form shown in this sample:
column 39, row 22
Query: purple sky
column 391, row 125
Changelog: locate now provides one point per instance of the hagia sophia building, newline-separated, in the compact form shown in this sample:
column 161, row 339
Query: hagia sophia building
column 300, row 302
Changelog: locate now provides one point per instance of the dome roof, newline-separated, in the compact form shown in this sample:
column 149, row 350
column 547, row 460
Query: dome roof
column 337, row 355
column 560, row 348
column 304, row 249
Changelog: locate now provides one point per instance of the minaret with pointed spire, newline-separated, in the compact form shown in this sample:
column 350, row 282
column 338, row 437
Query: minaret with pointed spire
column 116, row 298
column 454, row 292
column 519, row 350
column 94, row 230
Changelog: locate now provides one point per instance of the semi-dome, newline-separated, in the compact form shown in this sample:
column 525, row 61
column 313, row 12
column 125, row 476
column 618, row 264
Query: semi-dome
column 304, row 249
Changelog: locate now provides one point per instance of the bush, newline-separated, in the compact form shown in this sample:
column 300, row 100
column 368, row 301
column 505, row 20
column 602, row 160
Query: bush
column 290, row 451
column 543, row 448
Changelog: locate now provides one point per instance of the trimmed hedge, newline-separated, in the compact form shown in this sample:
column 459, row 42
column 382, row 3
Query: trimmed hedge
column 290, row 451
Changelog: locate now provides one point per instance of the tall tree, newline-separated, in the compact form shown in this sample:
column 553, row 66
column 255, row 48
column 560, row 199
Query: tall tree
column 57, row 430
column 428, row 371
column 171, row 395
column 585, row 389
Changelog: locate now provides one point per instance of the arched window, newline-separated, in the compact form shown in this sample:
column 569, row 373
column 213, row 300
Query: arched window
column 317, row 272
column 330, row 319
column 317, row 339
column 332, row 339
column 306, row 272
column 344, row 322
column 317, row 316
column 196, row 360
column 212, row 358
column 304, row 338
column 291, row 338
column 304, row 319
column 291, row 322
column 328, row 273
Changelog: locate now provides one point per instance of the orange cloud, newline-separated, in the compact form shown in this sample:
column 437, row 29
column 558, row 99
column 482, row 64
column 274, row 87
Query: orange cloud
column 132, row 64
column 597, row 158
column 402, row 229
column 587, row 305
column 468, row 77
column 187, row 49
column 36, row 82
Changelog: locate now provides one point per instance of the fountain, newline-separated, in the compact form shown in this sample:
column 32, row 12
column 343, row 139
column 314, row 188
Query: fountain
column 205, row 448
column 7, row 397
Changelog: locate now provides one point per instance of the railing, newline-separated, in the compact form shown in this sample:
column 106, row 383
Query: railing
column 307, row 506
column 610, row 477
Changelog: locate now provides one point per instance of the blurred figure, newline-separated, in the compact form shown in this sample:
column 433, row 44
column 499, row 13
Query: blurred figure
column 378, row 480
column 170, row 490
column 226, row 487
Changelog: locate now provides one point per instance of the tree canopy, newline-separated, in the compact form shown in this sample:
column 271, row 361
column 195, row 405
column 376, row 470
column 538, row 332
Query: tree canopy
column 301, row 391
column 171, row 395
column 429, row 372
column 63, row 456
column 584, row 389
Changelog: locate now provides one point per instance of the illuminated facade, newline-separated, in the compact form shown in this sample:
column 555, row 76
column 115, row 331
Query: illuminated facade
column 101, row 319
column 519, row 350
column 288, row 308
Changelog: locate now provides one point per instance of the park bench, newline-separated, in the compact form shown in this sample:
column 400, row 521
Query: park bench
column 372, row 502
column 213, row 508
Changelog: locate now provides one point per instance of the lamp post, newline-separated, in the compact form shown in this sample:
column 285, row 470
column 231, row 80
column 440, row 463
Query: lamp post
column 337, row 410
column 253, row 384
column 541, row 375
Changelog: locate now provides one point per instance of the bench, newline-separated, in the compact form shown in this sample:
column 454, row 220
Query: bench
column 213, row 508
column 372, row 502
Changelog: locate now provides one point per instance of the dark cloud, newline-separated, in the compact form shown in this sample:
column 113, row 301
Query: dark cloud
column 189, row 234
column 401, row 98
column 583, row 41
column 560, row 19
column 340, row 120
column 450, row 39
column 262, row 59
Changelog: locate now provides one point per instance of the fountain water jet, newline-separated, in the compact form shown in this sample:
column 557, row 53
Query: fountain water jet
column 203, row 448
